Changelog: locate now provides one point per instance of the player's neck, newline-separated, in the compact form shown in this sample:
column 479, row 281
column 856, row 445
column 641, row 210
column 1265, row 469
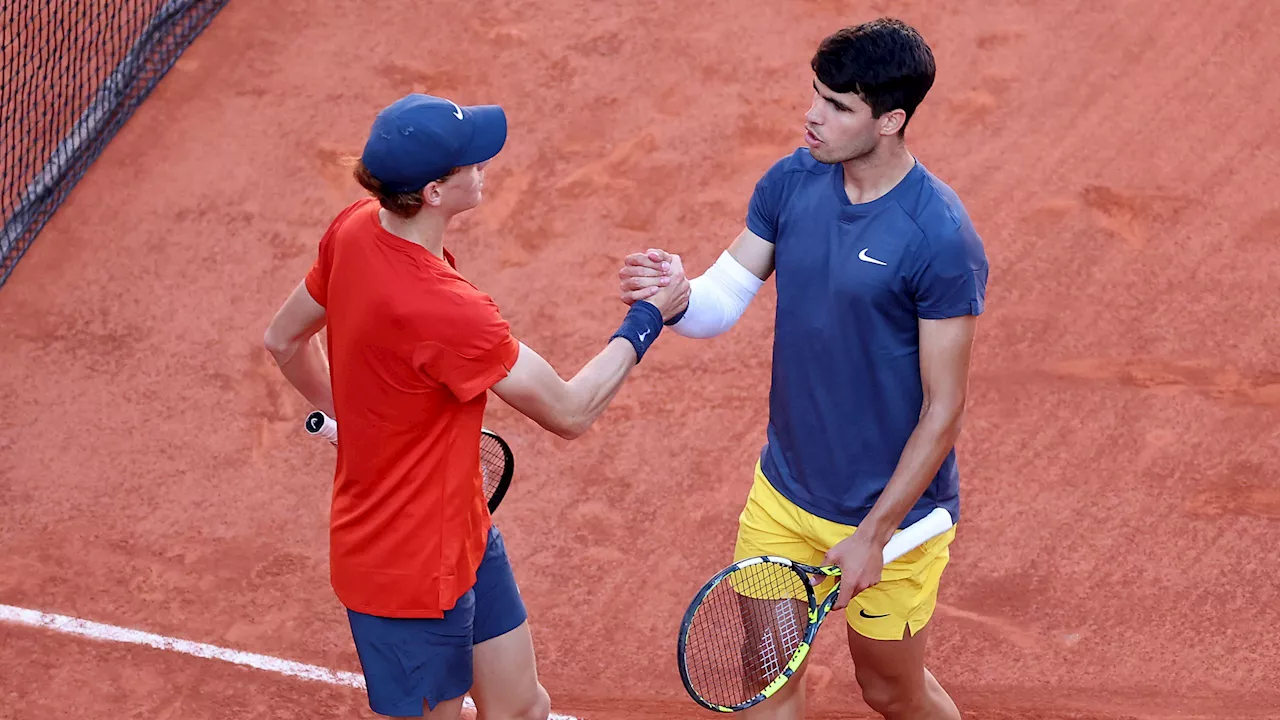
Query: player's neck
column 876, row 173
column 425, row 229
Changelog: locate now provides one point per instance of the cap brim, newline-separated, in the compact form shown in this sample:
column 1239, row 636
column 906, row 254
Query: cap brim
column 490, row 133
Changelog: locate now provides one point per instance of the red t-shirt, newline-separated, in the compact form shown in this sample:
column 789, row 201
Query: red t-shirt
column 413, row 347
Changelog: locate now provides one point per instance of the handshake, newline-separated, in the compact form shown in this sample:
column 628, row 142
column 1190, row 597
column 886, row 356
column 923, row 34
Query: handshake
column 658, row 277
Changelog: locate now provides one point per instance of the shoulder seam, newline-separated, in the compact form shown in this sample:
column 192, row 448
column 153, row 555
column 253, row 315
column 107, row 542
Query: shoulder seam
column 955, row 221
column 796, row 166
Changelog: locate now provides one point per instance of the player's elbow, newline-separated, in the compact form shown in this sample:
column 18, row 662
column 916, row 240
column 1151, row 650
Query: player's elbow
column 577, row 408
column 566, row 416
column 945, row 415
column 571, row 427
column 705, row 329
column 954, row 423
column 566, row 409
column 563, row 428
column 571, row 432
column 560, row 419
column 280, row 345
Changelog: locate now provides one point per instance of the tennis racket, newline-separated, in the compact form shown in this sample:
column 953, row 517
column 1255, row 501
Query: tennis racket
column 497, row 463
column 750, row 627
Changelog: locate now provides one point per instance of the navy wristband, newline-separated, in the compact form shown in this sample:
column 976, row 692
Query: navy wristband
column 676, row 318
column 640, row 327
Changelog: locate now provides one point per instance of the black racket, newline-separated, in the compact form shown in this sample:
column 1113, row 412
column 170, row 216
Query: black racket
column 497, row 463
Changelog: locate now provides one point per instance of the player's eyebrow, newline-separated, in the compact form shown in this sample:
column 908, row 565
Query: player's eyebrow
column 839, row 105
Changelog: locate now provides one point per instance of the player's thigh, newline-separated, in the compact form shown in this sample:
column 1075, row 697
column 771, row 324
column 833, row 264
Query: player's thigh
column 505, row 670
column 889, row 671
column 888, row 631
column 769, row 524
column 506, row 683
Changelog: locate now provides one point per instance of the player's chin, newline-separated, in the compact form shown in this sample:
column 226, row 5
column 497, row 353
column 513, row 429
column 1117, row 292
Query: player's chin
column 825, row 155
column 828, row 155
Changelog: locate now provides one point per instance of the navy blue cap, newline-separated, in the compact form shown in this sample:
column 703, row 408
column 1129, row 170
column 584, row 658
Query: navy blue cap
column 420, row 138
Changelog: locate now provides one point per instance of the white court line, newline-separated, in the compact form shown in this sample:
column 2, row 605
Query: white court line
column 99, row 631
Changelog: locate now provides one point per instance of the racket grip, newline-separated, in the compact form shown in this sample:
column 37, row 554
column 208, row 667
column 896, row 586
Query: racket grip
column 917, row 533
column 322, row 426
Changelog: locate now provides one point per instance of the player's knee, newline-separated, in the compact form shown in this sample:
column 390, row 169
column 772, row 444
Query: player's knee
column 892, row 697
column 537, row 708
column 543, row 709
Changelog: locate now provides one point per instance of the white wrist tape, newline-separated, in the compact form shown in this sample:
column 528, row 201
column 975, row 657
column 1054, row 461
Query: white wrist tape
column 717, row 298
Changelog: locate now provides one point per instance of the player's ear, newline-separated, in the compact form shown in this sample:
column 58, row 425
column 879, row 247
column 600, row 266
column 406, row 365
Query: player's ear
column 891, row 122
column 432, row 194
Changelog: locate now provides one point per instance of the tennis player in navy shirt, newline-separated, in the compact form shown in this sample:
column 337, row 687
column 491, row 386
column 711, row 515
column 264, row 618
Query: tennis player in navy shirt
column 881, row 278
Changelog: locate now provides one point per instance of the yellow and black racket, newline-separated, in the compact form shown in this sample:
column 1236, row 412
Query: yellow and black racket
column 497, row 463
column 750, row 627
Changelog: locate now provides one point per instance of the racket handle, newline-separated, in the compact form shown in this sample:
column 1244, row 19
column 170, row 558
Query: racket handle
column 322, row 426
column 917, row 533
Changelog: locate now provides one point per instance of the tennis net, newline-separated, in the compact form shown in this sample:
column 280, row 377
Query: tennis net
column 71, row 73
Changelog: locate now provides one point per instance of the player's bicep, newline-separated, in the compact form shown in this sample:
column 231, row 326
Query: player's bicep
column 946, row 348
column 753, row 253
column 298, row 319
column 535, row 389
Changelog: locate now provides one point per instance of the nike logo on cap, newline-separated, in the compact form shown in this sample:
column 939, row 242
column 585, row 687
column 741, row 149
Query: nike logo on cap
column 457, row 111
column 864, row 257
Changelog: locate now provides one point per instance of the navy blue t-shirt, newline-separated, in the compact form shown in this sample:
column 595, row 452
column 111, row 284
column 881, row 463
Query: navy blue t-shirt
column 852, row 282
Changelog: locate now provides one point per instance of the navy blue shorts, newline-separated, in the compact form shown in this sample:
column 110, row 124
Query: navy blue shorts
column 410, row 660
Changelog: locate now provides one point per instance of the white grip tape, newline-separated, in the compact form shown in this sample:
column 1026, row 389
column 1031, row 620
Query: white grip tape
column 322, row 426
column 917, row 533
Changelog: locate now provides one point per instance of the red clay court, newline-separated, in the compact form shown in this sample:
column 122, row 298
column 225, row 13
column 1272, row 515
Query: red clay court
column 1116, row 554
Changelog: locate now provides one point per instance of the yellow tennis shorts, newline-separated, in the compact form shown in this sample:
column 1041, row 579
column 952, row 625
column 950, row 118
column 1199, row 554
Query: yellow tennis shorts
column 908, row 589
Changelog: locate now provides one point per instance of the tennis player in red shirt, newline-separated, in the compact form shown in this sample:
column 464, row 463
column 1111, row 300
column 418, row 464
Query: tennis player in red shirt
column 413, row 348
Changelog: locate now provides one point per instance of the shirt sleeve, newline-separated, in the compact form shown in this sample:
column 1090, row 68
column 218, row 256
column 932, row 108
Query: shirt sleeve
column 950, row 275
column 317, row 279
column 472, row 353
column 762, row 212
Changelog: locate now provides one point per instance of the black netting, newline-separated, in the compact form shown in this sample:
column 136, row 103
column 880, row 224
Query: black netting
column 71, row 73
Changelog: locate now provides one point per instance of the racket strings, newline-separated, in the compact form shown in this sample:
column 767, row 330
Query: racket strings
column 745, row 631
column 493, row 463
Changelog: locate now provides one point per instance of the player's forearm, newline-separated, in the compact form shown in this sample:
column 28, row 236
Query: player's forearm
column 307, row 370
column 935, row 434
column 569, row 408
column 595, row 385
column 717, row 298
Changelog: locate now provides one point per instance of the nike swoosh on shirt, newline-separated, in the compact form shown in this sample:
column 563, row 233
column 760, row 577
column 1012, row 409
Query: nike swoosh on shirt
column 864, row 257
